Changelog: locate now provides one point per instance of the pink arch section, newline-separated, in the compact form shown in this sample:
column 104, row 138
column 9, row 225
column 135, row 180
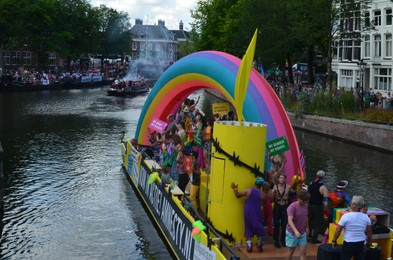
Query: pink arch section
column 218, row 71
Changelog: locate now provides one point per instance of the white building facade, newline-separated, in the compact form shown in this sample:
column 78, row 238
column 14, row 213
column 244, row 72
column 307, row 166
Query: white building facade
column 367, row 62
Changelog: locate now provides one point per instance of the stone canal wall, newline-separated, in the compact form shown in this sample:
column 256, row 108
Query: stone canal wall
column 373, row 135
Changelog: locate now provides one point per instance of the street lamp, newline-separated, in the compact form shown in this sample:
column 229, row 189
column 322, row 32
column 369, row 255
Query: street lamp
column 362, row 66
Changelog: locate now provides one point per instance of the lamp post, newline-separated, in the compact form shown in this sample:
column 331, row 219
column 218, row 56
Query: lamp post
column 362, row 66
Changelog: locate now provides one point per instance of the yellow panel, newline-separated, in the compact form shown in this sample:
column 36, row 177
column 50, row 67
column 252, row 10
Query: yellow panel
column 247, row 141
column 332, row 229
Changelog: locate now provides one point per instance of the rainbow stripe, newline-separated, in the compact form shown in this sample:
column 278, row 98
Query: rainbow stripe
column 218, row 70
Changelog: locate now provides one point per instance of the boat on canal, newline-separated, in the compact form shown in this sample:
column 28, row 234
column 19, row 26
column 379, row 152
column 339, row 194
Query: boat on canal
column 91, row 80
column 239, row 154
column 129, row 88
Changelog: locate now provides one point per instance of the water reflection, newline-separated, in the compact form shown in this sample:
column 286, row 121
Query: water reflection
column 66, row 195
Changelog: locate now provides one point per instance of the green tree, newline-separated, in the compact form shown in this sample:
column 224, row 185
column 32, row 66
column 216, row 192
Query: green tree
column 115, row 32
column 10, row 22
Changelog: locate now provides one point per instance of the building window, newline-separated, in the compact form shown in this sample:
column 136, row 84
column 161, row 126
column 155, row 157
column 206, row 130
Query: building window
column 356, row 49
column 357, row 24
column 134, row 46
column 388, row 13
column 16, row 58
column 26, row 55
column 7, row 57
column 383, row 79
column 367, row 46
column 367, row 19
column 377, row 17
column 377, row 46
column 52, row 58
column 347, row 78
column 388, row 46
column 142, row 46
column 347, row 50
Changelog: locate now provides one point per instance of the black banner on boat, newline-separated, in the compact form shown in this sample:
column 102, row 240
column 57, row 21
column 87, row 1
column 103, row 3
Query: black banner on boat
column 175, row 225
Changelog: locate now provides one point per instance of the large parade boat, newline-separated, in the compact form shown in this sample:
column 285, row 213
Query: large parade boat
column 239, row 154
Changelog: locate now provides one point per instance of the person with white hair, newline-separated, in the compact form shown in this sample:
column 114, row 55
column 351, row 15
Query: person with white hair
column 357, row 231
column 318, row 202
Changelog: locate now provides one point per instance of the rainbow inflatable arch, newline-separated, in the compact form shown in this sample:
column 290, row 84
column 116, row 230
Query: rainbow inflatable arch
column 218, row 71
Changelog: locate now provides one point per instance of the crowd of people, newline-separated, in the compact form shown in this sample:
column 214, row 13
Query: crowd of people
column 300, row 212
column 371, row 99
column 183, row 149
column 45, row 77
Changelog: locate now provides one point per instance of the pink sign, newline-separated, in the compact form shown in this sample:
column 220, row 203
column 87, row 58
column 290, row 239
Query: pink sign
column 158, row 125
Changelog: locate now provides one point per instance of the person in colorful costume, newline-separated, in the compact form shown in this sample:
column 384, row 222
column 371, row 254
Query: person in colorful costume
column 338, row 198
column 253, row 219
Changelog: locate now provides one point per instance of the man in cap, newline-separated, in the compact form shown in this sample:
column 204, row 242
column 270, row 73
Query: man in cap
column 338, row 198
column 253, row 220
column 318, row 202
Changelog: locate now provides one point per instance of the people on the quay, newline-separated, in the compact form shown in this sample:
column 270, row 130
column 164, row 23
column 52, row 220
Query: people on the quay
column 281, row 192
column 253, row 218
column 318, row 202
column 357, row 231
column 297, row 228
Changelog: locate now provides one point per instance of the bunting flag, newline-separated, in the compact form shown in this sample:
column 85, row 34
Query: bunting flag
column 243, row 76
column 302, row 162
column 262, row 70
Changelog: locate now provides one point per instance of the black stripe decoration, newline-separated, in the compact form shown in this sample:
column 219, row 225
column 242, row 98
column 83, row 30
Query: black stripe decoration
column 236, row 159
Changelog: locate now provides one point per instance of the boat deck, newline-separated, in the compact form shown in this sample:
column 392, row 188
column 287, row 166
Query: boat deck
column 270, row 252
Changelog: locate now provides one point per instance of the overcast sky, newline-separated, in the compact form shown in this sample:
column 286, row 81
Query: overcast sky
column 171, row 11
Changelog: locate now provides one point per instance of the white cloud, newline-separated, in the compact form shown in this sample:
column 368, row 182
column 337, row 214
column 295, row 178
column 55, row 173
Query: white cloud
column 170, row 11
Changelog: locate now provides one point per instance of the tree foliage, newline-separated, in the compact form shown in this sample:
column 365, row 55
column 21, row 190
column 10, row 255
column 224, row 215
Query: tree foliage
column 71, row 28
column 290, row 31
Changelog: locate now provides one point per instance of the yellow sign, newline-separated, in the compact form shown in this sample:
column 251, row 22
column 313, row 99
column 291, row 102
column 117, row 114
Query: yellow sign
column 220, row 108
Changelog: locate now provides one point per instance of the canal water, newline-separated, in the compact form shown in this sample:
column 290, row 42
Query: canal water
column 66, row 196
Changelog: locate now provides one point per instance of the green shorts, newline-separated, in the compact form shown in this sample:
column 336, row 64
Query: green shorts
column 293, row 241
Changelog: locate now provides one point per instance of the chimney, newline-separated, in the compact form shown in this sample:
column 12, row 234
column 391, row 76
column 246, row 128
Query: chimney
column 138, row 21
column 161, row 22
column 181, row 25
